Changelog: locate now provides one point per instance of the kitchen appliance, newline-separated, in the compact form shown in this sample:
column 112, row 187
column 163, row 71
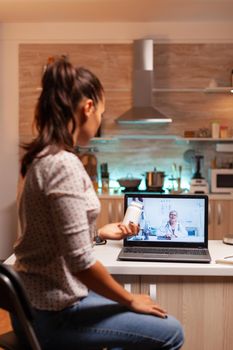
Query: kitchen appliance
column 221, row 180
column 155, row 180
column 129, row 183
column 143, row 111
column 199, row 186
column 198, row 183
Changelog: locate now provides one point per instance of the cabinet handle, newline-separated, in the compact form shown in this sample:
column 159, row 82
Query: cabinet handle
column 110, row 211
column 153, row 291
column 219, row 214
column 209, row 214
column 127, row 287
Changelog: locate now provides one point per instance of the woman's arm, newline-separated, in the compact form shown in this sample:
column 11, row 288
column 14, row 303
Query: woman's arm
column 117, row 231
column 100, row 281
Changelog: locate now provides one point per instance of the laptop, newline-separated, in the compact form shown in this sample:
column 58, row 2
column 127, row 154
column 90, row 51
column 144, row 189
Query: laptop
column 173, row 228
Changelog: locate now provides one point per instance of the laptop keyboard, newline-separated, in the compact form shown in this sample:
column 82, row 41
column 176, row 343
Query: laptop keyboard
column 154, row 250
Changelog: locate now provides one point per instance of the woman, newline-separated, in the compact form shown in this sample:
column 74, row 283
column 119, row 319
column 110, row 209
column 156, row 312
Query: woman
column 58, row 210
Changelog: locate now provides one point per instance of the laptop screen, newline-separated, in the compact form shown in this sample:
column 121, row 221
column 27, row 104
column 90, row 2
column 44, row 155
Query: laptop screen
column 170, row 220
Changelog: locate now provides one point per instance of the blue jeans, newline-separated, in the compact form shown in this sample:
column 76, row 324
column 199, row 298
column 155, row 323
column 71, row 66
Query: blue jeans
column 97, row 322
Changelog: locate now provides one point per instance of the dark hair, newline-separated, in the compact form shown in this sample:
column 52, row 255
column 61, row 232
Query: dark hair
column 63, row 88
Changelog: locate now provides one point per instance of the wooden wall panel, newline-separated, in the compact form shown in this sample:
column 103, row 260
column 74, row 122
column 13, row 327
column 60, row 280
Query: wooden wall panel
column 175, row 66
column 192, row 65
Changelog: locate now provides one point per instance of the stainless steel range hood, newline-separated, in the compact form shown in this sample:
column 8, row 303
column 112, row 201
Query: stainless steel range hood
column 143, row 111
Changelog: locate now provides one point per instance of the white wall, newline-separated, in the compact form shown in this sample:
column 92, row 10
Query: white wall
column 12, row 34
column 8, row 143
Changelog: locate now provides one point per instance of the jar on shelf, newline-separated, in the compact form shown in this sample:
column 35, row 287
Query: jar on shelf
column 215, row 128
column 224, row 132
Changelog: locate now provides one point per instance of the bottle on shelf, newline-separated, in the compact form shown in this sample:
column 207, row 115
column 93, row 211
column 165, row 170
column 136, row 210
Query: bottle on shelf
column 224, row 132
column 104, row 177
column 215, row 129
column 89, row 162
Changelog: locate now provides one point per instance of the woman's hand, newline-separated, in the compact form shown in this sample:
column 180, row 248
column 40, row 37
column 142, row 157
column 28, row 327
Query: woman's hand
column 142, row 303
column 117, row 231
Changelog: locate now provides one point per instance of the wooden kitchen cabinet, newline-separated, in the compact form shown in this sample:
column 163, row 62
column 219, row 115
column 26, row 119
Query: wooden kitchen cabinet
column 199, row 303
column 112, row 210
column 130, row 282
column 220, row 218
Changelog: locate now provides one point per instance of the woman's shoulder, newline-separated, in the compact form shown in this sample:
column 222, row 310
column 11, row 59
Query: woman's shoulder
column 61, row 157
column 65, row 156
column 61, row 161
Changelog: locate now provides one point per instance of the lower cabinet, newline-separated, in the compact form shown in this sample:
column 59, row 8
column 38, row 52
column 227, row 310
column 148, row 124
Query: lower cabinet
column 112, row 210
column 130, row 283
column 201, row 303
column 220, row 218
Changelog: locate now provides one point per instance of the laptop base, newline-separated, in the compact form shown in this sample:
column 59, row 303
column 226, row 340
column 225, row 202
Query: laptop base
column 164, row 257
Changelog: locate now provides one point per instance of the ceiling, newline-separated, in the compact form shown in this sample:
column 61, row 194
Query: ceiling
column 115, row 10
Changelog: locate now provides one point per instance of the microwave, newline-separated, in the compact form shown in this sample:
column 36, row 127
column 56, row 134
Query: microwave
column 221, row 180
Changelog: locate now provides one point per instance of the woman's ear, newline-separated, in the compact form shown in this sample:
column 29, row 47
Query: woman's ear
column 88, row 107
column 86, row 110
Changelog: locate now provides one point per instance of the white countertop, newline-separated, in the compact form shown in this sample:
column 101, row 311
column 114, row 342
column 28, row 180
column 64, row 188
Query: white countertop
column 108, row 253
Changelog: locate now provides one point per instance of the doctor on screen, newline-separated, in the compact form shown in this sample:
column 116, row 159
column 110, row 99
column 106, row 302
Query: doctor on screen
column 173, row 228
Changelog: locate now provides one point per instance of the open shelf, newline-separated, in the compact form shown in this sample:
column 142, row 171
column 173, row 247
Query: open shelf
column 116, row 138
column 208, row 90
column 228, row 89
column 178, row 90
column 134, row 137
column 148, row 137
column 208, row 139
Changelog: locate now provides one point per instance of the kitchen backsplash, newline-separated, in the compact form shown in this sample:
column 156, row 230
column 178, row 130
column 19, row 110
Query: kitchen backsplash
column 135, row 158
column 187, row 68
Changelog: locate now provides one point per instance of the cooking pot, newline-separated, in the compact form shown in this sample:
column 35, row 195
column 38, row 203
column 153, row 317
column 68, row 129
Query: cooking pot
column 129, row 182
column 155, row 179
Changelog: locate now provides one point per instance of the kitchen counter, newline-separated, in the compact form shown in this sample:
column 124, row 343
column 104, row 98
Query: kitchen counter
column 108, row 256
column 108, row 253
column 212, row 196
column 198, row 295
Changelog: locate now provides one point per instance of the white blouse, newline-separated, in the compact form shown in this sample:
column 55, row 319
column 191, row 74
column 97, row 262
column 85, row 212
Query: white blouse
column 58, row 211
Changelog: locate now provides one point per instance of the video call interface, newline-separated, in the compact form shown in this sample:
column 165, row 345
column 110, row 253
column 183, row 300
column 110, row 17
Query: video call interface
column 171, row 219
